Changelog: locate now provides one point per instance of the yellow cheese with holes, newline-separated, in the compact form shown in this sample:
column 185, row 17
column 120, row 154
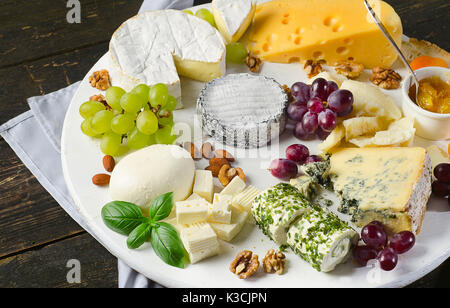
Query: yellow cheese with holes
column 287, row 31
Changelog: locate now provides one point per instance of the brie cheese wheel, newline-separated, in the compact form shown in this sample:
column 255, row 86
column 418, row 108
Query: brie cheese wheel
column 243, row 110
column 146, row 174
column 157, row 46
column 233, row 17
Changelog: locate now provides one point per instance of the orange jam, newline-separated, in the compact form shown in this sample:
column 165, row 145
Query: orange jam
column 434, row 95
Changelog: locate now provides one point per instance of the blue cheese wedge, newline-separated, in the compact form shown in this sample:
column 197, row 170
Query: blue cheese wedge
column 276, row 208
column 243, row 110
column 200, row 241
column 192, row 211
column 391, row 185
column 306, row 185
column 321, row 239
column 228, row 232
column 221, row 209
column 245, row 198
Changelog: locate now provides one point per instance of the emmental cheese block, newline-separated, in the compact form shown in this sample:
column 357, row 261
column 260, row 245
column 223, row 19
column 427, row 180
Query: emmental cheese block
column 158, row 46
column 390, row 185
column 287, row 31
column 233, row 17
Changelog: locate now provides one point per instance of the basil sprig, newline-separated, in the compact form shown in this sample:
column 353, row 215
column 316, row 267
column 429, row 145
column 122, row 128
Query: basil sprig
column 127, row 219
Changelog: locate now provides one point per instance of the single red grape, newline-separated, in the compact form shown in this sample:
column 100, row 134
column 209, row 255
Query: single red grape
column 374, row 236
column 301, row 92
column 363, row 254
column 442, row 172
column 332, row 87
column 402, row 242
column 441, row 189
column 283, row 169
column 327, row 120
column 388, row 259
column 340, row 101
column 319, row 89
column 315, row 105
column 313, row 159
column 297, row 153
column 322, row 134
column 300, row 133
column 310, row 122
column 296, row 111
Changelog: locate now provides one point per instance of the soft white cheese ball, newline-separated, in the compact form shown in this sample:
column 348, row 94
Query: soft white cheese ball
column 148, row 173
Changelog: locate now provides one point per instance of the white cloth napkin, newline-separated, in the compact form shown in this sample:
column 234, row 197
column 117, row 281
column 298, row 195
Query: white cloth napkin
column 35, row 136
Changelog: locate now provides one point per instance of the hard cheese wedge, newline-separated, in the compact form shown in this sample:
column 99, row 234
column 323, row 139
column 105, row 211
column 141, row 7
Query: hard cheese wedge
column 286, row 31
column 233, row 17
column 157, row 46
column 390, row 185
column 200, row 241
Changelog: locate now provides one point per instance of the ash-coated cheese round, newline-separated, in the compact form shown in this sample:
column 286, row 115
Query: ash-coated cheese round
column 148, row 173
column 243, row 110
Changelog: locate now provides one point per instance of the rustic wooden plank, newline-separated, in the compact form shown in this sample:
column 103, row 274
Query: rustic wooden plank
column 29, row 216
column 46, row 267
column 34, row 29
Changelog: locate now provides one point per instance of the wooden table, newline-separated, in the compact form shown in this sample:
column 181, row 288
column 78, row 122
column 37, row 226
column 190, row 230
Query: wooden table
column 40, row 52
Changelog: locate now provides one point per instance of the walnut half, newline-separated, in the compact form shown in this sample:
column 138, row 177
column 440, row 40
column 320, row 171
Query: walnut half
column 100, row 80
column 245, row 264
column 385, row 78
column 349, row 69
column 313, row 68
column 274, row 262
column 253, row 63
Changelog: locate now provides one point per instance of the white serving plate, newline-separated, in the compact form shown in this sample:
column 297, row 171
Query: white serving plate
column 81, row 159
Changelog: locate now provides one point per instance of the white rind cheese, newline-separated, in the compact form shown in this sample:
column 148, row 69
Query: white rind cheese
column 146, row 174
column 192, row 211
column 221, row 209
column 158, row 46
column 228, row 232
column 200, row 241
column 233, row 17
column 243, row 110
column 391, row 185
column 204, row 185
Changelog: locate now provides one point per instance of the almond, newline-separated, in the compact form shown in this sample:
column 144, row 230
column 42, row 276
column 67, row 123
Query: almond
column 215, row 164
column 224, row 154
column 207, row 150
column 191, row 148
column 109, row 163
column 101, row 179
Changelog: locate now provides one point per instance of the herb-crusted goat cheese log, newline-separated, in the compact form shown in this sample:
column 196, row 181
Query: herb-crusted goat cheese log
column 276, row 208
column 321, row 239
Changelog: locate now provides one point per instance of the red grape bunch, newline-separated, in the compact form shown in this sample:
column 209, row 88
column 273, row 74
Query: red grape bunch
column 378, row 247
column 441, row 187
column 317, row 108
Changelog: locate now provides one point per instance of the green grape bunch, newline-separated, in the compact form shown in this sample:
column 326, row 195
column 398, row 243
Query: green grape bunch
column 141, row 117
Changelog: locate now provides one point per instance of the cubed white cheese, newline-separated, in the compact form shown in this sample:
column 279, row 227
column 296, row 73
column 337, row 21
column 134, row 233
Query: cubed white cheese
column 245, row 198
column 200, row 241
column 234, row 187
column 221, row 209
column 194, row 196
column 203, row 184
column 192, row 211
column 227, row 232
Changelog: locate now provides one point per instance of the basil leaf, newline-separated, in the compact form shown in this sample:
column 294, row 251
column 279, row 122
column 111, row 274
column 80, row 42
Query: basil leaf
column 161, row 207
column 122, row 217
column 167, row 244
column 139, row 236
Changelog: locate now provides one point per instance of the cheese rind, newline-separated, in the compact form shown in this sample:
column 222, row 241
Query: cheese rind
column 233, row 188
column 200, row 241
column 228, row 232
column 288, row 31
column 204, row 185
column 158, row 46
column 391, row 185
column 221, row 209
column 192, row 211
column 233, row 17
